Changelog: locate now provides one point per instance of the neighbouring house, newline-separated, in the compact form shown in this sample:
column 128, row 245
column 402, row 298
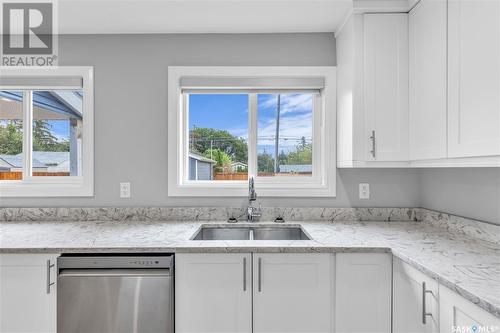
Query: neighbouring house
column 200, row 167
column 239, row 167
column 43, row 161
column 14, row 163
column 62, row 105
column 296, row 168
column 55, row 161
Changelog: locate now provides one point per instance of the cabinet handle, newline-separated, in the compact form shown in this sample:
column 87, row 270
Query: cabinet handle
column 372, row 137
column 245, row 274
column 49, row 283
column 424, row 310
column 260, row 274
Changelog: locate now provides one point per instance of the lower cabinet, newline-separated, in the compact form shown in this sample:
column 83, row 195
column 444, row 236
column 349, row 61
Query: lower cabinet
column 363, row 293
column 456, row 314
column 287, row 292
column 415, row 300
column 28, row 293
column 292, row 292
column 213, row 292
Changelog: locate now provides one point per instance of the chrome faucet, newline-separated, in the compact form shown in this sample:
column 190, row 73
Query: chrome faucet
column 253, row 213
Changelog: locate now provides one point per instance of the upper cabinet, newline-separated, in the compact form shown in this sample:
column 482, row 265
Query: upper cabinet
column 372, row 64
column 428, row 80
column 385, row 86
column 473, row 78
column 420, row 89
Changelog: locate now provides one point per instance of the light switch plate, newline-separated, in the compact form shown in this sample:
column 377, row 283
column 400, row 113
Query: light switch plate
column 364, row 191
column 124, row 190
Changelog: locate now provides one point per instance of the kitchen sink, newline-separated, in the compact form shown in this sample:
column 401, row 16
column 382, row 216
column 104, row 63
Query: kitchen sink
column 279, row 233
column 251, row 233
column 222, row 234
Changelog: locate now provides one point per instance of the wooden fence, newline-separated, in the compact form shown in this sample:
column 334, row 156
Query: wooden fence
column 231, row 176
column 244, row 175
column 19, row 175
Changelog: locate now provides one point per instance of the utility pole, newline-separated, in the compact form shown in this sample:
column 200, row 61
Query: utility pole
column 194, row 138
column 211, row 149
column 276, row 144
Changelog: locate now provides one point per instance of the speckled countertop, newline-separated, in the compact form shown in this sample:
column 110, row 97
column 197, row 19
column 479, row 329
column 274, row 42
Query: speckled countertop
column 469, row 266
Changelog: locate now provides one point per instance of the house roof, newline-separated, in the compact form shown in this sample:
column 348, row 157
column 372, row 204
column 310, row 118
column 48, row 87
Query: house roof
column 16, row 161
column 55, row 102
column 201, row 158
column 296, row 168
column 51, row 157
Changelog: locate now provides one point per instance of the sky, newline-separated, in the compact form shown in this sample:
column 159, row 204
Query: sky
column 230, row 112
column 58, row 128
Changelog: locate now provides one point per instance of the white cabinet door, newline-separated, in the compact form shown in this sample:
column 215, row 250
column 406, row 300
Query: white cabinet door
column 456, row 314
column 428, row 84
column 414, row 294
column 363, row 290
column 213, row 292
column 292, row 293
column 386, row 86
column 474, row 78
column 27, row 301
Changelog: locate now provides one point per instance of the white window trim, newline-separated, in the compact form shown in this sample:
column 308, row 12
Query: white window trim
column 53, row 186
column 324, row 186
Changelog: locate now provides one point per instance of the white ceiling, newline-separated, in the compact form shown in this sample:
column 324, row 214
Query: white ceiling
column 200, row 16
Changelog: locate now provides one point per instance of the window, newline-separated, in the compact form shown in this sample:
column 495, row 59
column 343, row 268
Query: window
column 46, row 131
column 284, row 134
column 276, row 124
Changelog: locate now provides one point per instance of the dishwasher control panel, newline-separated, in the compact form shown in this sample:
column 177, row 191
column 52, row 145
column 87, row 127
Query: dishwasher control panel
column 114, row 261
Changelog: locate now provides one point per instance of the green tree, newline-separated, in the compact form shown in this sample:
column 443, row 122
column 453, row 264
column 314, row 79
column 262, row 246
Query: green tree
column 302, row 154
column 223, row 160
column 44, row 140
column 265, row 162
column 11, row 137
column 202, row 139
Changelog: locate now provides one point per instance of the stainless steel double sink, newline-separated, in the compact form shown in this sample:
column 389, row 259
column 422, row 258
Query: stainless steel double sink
column 254, row 232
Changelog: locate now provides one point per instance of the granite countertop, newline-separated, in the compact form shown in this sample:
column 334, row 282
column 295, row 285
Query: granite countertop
column 468, row 266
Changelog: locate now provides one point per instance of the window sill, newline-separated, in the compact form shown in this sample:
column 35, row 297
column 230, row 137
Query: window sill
column 240, row 189
column 45, row 189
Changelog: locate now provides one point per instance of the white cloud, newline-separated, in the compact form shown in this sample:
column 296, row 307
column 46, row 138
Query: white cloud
column 289, row 102
column 292, row 129
column 239, row 132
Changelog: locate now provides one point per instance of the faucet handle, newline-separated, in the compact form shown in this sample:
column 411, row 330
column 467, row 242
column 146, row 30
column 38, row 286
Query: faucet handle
column 258, row 211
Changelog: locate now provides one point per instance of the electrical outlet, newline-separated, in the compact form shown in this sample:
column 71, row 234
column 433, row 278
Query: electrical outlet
column 124, row 190
column 364, row 191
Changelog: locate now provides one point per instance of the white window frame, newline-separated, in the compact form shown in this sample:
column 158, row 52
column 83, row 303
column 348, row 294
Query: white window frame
column 53, row 186
column 321, row 184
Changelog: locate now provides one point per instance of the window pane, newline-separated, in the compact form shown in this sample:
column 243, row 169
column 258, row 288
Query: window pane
column 57, row 133
column 218, row 137
column 11, row 135
column 285, row 128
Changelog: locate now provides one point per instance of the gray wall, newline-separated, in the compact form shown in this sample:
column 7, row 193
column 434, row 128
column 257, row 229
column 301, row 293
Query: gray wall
column 131, row 126
column 131, row 115
column 473, row 192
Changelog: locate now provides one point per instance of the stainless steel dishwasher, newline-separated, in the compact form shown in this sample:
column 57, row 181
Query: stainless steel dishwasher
column 115, row 293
